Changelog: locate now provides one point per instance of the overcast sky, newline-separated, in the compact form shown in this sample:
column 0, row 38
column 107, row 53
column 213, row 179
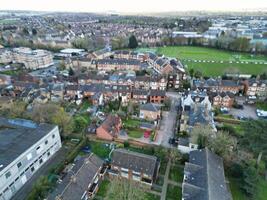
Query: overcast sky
column 132, row 5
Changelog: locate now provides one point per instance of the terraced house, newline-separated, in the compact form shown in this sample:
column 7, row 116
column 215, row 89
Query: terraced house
column 134, row 166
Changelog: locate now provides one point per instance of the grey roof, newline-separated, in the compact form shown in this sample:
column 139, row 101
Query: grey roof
column 135, row 161
column 74, row 185
column 17, row 135
column 150, row 107
column 199, row 115
column 205, row 178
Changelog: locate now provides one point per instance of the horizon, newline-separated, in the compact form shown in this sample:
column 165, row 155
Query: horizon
column 121, row 6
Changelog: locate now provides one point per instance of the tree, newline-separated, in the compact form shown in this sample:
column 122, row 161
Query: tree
column 80, row 124
column 255, row 137
column 250, row 180
column 191, row 72
column 119, row 42
column 25, row 31
column 34, row 31
column 201, row 136
column 223, row 145
column 133, row 42
column 63, row 120
column 186, row 85
column 174, row 155
column 71, row 72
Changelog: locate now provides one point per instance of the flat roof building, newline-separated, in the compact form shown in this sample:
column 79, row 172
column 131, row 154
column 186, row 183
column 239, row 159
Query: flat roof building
column 24, row 147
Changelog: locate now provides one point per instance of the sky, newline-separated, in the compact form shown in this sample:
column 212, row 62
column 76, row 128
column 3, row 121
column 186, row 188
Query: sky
column 132, row 6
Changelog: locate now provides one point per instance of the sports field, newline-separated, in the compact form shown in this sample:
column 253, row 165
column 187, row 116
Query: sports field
column 214, row 62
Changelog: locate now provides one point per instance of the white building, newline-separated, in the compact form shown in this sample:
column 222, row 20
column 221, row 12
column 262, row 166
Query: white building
column 32, row 59
column 24, row 148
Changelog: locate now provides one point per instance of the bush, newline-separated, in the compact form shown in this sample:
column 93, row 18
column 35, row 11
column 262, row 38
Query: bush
column 126, row 144
column 236, row 170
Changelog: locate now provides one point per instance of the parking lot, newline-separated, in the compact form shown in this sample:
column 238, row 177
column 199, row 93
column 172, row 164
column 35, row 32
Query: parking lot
column 249, row 112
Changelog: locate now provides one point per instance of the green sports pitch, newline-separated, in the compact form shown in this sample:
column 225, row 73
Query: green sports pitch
column 214, row 62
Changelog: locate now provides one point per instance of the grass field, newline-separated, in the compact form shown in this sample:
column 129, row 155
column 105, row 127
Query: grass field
column 8, row 21
column 214, row 62
column 203, row 53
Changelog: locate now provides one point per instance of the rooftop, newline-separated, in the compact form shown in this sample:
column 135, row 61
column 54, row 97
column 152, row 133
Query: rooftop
column 21, row 134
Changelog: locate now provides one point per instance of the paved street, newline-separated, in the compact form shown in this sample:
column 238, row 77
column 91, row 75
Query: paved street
column 169, row 120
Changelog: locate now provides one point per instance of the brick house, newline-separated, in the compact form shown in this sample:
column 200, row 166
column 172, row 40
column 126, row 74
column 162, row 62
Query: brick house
column 110, row 128
column 222, row 99
column 134, row 166
column 157, row 96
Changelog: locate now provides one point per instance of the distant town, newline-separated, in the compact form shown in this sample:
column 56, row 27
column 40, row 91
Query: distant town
column 116, row 107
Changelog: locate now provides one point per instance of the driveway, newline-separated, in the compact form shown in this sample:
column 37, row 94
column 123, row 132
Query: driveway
column 168, row 121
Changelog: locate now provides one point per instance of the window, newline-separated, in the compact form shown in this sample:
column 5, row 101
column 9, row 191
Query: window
column 37, row 148
column 53, row 136
column 8, row 174
column 29, row 156
column 41, row 161
column 46, row 142
column 48, row 153
column 19, row 165
column 32, row 169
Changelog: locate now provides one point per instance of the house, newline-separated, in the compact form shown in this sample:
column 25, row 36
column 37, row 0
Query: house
column 110, row 128
column 158, row 83
column 142, row 82
column 157, row 96
column 222, row 99
column 140, row 96
column 195, row 97
column 256, row 88
column 150, row 112
column 204, row 177
column 81, row 181
column 134, row 166
column 218, row 85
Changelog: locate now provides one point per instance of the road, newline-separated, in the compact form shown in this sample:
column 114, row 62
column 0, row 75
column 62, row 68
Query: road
column 168, row 121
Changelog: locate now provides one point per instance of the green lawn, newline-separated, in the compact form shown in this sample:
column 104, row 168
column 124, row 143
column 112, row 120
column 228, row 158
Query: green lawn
column 203, row 53
column 235, row 190
column 186, row 53
column 131, row 123
column 102, row 191
column 173, row 192
column 217, row 69
column 85, row 105
column 135, row 133
column 99, row 149
column 8, row 21
column 149, row 196
column 262, row 190
column 176, row 173
column 261, row 106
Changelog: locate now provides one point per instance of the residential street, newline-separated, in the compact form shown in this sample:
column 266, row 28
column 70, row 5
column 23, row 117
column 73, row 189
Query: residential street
column 169, row 120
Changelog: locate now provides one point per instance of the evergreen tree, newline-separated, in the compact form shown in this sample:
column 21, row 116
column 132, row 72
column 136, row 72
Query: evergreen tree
column 133, row 42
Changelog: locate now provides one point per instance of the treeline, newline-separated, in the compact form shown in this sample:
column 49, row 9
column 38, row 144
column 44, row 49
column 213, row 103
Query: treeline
column 240, row 44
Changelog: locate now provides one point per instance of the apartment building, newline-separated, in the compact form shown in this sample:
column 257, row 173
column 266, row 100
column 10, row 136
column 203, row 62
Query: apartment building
column 32, row 59
column 24, row 147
